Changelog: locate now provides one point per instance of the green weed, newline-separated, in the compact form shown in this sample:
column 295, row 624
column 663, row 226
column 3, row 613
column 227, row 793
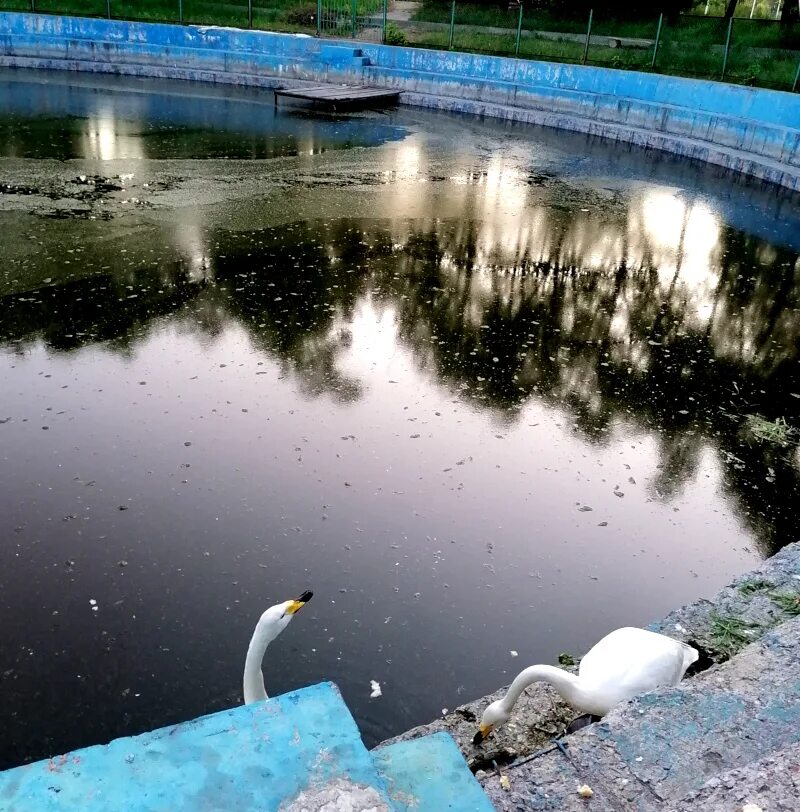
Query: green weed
column 789, row 602
column 754, row 585
column 729, row 634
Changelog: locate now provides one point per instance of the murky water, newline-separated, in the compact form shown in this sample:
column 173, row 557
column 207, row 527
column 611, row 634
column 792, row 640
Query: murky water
column 484, row 389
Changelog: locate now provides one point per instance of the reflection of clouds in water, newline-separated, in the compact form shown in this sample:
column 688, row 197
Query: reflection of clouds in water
column 192, row 245
column 374, row 338
column 507, row 222
column 683, row 238
column 101, row 139
column 405, row 162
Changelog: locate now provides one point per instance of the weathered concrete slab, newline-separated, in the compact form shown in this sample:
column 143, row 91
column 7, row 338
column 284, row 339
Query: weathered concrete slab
column 668, row 748
column 429, row 774
column 289, row 753
column 772, row 784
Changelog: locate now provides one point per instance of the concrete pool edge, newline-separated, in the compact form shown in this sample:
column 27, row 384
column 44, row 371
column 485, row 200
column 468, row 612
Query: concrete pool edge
column 751, row 131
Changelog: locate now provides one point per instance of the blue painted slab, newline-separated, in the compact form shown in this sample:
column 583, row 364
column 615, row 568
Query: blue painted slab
column 429, row 775
column 252, row 757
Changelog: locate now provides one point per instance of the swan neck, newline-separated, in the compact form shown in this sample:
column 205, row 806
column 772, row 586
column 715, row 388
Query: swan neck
column 253, row 683
column 568, row 685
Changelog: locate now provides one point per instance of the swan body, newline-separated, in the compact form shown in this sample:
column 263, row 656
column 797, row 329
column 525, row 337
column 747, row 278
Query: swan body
column 269, row 626
column 625, row 663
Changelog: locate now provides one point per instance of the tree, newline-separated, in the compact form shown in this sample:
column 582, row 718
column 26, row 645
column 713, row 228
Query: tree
column 790, row 14
column 730, row 9
column 618, row 9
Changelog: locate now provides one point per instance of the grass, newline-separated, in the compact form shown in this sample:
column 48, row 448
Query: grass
column 276, row 15
column 729, row 634
column 762, row 52
column 748, row 588
column 788, row 602
column 437, row 11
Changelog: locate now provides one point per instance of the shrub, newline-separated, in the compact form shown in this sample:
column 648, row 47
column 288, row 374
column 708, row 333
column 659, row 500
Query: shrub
column 305, row 14
column 393, row 35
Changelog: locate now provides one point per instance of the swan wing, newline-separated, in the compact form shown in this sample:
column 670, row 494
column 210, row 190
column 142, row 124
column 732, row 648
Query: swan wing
column 631, row 661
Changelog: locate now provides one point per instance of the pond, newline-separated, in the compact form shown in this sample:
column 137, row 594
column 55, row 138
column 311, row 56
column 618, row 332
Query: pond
column 490, row 391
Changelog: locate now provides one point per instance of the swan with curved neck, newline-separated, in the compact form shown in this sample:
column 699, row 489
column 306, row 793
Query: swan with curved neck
column 625, row 663
column 269, row 626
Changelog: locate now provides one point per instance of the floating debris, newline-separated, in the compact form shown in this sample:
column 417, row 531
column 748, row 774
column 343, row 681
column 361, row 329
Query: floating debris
column 376, row 689
column 777, row 432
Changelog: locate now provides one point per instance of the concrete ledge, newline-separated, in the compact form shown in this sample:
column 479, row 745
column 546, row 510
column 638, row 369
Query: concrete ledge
column 748, row 130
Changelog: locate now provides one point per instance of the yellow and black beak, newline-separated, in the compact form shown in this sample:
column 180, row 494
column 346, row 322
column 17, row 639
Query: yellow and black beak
column 299, row 603
column 483, row 733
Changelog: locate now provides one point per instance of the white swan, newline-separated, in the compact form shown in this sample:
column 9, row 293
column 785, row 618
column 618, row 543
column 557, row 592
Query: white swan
column 625, row 663
column 269, row 626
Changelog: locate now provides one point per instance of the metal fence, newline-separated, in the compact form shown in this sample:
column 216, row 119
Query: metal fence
column 740, row 49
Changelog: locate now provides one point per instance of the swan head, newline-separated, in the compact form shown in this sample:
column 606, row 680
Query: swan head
column 277, row 617
column 494, row 716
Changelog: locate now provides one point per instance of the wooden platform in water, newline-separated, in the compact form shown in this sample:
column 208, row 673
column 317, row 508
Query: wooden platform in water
column 337, row 96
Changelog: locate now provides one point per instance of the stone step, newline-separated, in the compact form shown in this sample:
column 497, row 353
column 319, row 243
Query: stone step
column 301, row 749
column 771, row 783
column 429, row 775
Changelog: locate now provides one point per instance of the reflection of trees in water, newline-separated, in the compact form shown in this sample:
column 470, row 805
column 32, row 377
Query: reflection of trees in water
column 296, row 297
column 634, row 343
column 625, row 345
column 116, row 310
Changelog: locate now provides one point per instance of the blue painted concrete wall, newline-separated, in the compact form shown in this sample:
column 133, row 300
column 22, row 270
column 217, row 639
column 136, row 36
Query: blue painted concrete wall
column 750, row 130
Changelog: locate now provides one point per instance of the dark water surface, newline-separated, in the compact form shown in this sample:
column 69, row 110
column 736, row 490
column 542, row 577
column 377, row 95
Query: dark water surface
column 484, row 389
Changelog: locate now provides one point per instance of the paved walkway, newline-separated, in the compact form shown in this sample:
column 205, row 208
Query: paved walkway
column 402, row 12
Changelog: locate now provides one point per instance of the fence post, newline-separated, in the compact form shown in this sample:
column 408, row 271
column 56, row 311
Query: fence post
column 796, row 78
column 180, row 11
column 353, row 7
column 108, row 9
column 727, row 48
column 33, row 6
column 249, row 13
column 519, row 30
column 658, row 37
column 319, row 18
column 588, row 35
column 452, row 25
column 385, row 9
